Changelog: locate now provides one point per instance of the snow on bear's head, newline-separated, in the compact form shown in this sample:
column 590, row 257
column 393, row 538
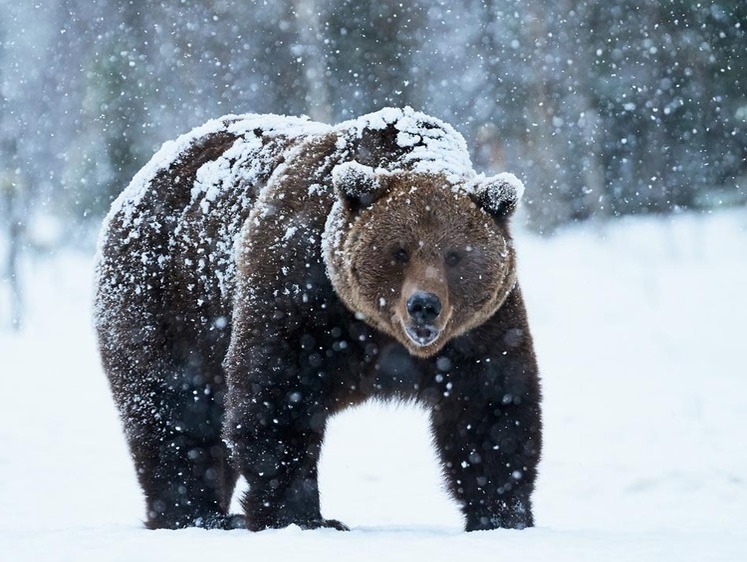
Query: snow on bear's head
column 418, row 257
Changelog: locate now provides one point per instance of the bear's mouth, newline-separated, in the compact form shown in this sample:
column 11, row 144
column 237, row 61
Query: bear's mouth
column 422, row 335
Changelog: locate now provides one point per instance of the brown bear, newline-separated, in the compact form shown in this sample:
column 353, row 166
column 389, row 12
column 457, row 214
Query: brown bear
column 262, row 273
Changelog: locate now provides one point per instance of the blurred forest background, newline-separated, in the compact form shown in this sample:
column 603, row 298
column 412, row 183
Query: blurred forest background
column 604, row 108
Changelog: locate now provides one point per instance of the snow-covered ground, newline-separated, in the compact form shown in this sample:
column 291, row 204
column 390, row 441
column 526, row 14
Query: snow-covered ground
column 640, row 331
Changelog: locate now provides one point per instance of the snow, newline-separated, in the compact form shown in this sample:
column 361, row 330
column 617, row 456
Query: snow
column 213, row 175
column 507, row 186
column 503, row 189
column 639, row 327
column 443, row 149
column 356, row 179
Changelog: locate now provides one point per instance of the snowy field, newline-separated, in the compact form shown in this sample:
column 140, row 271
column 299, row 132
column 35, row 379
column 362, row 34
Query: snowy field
column 641, row 334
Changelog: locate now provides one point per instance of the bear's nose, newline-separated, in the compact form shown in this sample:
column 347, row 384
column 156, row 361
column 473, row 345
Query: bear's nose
column 424, row 308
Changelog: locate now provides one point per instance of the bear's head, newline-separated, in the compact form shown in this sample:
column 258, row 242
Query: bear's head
column 417, row 257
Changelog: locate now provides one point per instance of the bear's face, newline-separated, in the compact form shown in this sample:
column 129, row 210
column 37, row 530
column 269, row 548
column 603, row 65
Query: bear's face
column 418, row 259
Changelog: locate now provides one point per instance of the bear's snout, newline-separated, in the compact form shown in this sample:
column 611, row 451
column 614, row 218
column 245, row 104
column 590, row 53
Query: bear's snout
column 424, row 308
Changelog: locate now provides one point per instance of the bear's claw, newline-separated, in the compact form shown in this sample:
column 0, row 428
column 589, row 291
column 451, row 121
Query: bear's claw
column 324, row 523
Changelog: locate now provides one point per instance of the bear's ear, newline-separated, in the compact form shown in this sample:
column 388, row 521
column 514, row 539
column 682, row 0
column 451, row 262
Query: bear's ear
column 499, row 195
column 358, row 185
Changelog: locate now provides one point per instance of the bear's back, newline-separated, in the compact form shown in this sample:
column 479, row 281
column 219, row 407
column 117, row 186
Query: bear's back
column 166, row 248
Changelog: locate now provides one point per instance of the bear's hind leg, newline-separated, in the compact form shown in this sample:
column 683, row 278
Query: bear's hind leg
column 173, row 426
column 186, row 481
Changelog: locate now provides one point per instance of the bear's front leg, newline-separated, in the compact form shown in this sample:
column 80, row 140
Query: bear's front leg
column 279, row 457
column 274, row 427
column 489, row 441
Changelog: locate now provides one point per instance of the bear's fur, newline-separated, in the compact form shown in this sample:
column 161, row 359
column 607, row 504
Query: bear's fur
column 262, row 273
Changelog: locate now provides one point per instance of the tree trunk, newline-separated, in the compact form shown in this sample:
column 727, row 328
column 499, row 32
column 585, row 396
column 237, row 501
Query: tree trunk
column 12, row 203
column 314, row 67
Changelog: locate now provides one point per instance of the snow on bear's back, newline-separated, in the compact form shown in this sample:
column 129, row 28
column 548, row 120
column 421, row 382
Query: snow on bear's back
column 421, row 143
column 177, row 220
column 395, row 138
column 246, row 132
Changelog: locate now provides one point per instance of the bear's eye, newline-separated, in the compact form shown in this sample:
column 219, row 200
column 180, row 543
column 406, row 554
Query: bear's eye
column 401, row 256
column 452, row 258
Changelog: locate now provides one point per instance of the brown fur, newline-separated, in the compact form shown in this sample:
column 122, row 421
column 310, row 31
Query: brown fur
column 430, row 224
column 228, row 352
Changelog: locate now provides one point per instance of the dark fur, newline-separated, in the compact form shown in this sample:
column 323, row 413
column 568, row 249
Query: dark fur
column 254, row 372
